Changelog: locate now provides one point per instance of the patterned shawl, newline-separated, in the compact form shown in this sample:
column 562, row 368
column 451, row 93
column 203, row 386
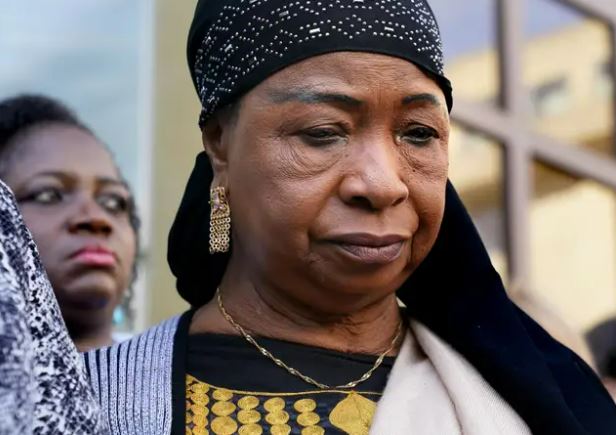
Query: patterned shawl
column 43, row 384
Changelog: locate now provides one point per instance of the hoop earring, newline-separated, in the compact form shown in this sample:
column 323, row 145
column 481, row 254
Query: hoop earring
column 220, row 221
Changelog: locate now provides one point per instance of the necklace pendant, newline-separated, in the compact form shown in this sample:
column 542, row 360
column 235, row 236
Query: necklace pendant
column 353, row 414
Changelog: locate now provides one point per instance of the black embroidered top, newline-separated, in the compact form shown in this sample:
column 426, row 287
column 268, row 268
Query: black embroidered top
column 232, row 388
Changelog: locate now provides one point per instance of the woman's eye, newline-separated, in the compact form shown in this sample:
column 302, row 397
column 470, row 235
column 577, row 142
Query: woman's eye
column 113, row 203
column 321, row 136
column 45, row 196
column 421, row 135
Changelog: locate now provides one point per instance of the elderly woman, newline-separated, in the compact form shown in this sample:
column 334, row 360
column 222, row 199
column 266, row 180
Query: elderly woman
column 322, row 196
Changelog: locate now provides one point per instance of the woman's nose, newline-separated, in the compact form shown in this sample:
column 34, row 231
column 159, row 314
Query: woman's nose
column 374, row 180
column 89, row 217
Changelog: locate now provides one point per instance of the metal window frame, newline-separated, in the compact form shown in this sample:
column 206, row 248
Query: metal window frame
column 509, row 124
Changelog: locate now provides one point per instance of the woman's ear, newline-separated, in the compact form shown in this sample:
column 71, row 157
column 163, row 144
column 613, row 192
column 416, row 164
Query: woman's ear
column 216, row 136
column 213, row 134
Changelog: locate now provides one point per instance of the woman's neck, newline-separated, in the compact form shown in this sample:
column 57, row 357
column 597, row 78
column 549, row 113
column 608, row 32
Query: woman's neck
column 86, row 339
column 268, row 313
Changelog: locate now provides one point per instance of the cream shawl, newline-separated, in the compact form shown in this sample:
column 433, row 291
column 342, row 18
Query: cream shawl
column 433, row 390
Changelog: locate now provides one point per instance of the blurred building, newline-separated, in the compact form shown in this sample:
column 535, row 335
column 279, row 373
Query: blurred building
column 532, row 151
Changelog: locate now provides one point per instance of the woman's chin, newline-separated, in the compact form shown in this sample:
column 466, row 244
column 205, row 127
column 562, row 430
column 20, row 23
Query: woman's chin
column 365, row 268
column 91, row 293
column 365, row 285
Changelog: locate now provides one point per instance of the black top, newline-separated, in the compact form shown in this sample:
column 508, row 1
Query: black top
column 231, row 386
column 230, row 361
column 224, row 384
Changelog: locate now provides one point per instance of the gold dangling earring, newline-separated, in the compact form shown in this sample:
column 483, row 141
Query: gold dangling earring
column 220, row 221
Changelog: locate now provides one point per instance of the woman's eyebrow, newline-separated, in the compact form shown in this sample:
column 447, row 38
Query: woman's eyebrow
column 51, row 173
column 69, row 177
column 422, row 98
column 313, row 97
column 317, row 97
column 109, row 181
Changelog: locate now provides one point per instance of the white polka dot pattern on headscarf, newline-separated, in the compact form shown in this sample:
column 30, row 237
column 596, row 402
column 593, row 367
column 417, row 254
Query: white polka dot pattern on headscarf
column 247, row 40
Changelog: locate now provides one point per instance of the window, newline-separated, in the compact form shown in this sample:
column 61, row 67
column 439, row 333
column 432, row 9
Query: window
column 605, row 81
column 476, row 169
column 573, row 245
column 563, row 48
column 537, row 170
column 470, row 40
column 551, row 99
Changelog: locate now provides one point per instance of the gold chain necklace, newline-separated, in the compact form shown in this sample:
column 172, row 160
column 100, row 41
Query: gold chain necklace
column 296, row 372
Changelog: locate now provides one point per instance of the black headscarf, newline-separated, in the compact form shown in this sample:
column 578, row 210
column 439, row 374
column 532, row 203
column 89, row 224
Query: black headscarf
column 233, row 46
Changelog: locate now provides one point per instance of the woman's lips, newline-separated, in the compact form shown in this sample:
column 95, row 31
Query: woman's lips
column 374, row 255
column 369, row 248
column 95, row 256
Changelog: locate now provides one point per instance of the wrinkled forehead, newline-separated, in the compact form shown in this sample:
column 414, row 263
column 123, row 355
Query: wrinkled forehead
column 355, row 82
column 61, row 148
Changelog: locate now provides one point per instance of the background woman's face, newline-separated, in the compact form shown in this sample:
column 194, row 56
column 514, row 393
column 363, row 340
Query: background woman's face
column 76, row 206
column 336, row 170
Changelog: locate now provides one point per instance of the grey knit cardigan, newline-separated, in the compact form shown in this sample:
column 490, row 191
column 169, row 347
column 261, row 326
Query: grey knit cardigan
column 132, row 381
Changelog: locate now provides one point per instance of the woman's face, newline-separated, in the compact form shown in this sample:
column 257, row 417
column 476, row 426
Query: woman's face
column 336, row 170
column 76, row 207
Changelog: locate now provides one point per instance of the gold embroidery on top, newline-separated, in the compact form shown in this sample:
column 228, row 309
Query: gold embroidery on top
column 308, row 418
column 248, row 416
column 223, row 426
column 222, row 394
column 199, row 398
column 248, row 402
column 266, row 394
column 277, row 417
column 250, row 429
column 274, row 404
column 199, row 421
column 196, row 407
column 199, row 387
column 353, row 414
column 305, row 405
column 223, row 409
column 198, row 410
column 280, row 429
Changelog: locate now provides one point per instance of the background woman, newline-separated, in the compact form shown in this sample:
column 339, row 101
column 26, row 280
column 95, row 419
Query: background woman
column 322, row 196
column 77, row 206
